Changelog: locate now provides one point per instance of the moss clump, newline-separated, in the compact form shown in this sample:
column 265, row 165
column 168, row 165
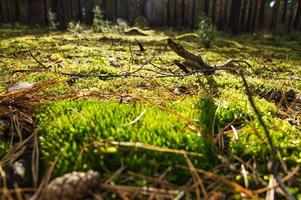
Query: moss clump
column 234, row 107
column 70, row 126
column 252, row 141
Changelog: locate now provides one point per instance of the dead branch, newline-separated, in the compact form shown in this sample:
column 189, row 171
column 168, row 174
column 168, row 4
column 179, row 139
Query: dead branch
column 40, row 63
column 141, row 48
column 191, row 60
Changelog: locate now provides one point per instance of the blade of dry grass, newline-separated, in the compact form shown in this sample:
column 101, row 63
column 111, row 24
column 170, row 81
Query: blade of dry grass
column 196, row 178
column 145, row 146
column 157, row 181
column 236, row 186
column 161, row 178
column 145, row 191
column 285, row 179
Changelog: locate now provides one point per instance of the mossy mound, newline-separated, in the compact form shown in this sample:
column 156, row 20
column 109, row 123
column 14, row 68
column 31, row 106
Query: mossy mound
column 70, row 128
column 135, row 32
column 189, row 37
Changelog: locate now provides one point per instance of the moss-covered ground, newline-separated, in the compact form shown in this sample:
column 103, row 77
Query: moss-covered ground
column 147, row 123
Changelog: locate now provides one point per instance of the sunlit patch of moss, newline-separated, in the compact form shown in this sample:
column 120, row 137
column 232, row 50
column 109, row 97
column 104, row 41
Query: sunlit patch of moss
column 252, row 140
column 186, row 105
column 70, row 125
column 233, row 105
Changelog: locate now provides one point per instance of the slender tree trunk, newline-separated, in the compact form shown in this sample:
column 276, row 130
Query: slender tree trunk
column 235, row 16
column 254, row 20
column 275, row 15
column 1, row 12
column 110, row 10
column 62, row 18
column 213, row 11
column 221, row 14
column 178, row 13
column 298, row 16
column 250, row 15
column 283, row 18
column 262, row 14
column 185, row 11
column 226, row 14
column 171, row 12
column 10, row 11
column 243, row 15
column 291, row 15
column 206, row 7
column 194, row 14
column 17, row 10
column 190, row 5
column 79, row 10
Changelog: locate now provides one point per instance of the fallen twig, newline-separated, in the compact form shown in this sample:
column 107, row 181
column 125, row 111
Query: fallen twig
column 145, row 146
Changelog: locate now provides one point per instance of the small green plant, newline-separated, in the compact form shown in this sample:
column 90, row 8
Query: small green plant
column 141, row 22
column 75, row 27
column 122, row 25
column 98, row 22
column 206, row 31
column 51, row 17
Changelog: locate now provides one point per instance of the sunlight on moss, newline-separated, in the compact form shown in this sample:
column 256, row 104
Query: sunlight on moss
column 70, row 125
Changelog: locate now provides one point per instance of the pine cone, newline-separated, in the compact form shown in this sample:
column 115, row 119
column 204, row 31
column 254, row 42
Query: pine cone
column 72, row 186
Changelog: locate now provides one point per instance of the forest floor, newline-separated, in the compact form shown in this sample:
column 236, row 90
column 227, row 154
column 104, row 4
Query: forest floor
column 97, row 101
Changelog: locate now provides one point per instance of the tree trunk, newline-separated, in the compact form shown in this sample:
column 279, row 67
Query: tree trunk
column 194, row 13
column 291, row 15
column 235, row 16
column 189, row 12
column 206, row 7
column 156, row 12
column 178, row 13
column 17, row 10
column 226, row 13
column 243, row 15
column 275, row 15
column 250, row 15
column 213, row 11
column 298, row 16
column 79, row 10
column 255, row 17
column 61, row 15
column 110, row 10
column 1, row 12
column 262, row 14
column 171, row 12
column 198, row 11
column 283, row 18
column 221, row 19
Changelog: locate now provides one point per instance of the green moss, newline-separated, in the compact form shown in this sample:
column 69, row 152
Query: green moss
column 252, row 140
column 234, row 107
column 70, row 125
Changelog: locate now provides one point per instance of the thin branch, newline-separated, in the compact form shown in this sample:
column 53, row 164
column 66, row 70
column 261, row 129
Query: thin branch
column 40, row 63
column 268, row 136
